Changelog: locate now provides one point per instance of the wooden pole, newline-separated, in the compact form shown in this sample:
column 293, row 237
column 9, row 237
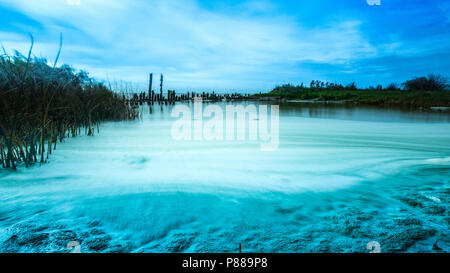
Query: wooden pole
column 150, row 98
column 161, row 87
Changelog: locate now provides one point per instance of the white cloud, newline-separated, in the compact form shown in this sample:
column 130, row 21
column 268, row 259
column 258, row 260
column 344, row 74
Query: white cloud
column 196, row 47
column 73, row 2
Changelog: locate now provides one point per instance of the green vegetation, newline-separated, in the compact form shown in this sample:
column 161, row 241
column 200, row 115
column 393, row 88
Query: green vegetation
column 419, row 92
column 41, row 105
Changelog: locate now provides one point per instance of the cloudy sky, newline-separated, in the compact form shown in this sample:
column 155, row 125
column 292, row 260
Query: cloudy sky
column 236, row 45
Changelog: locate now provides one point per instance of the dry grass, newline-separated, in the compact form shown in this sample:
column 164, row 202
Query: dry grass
column 41, row 105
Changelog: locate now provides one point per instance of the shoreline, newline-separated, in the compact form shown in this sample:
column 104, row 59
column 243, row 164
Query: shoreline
column 435, row 100
column 390, row 105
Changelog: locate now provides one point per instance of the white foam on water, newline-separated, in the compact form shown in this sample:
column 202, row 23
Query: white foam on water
column 439, row 161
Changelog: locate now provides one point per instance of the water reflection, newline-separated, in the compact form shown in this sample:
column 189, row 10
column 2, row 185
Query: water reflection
column 362, row 112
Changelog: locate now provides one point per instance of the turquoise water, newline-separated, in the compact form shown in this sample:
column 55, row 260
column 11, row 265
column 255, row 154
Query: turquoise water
column 340, row 178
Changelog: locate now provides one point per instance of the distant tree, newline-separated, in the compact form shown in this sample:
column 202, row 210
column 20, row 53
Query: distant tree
column 392, row 86
column 351, row 86
column 430, row 83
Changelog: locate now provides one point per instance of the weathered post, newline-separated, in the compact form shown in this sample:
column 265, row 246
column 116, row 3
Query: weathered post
column 150, row 97
column 161, row 87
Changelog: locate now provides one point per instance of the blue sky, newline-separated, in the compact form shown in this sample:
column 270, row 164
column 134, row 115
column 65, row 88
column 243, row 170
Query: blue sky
column 236, row 45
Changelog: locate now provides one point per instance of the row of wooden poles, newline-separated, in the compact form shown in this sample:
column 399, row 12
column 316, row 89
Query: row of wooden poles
column 151, row 97
column 38, row 114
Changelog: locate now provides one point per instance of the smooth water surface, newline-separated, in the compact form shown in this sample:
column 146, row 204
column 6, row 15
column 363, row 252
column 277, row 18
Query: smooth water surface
column 340, row 178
